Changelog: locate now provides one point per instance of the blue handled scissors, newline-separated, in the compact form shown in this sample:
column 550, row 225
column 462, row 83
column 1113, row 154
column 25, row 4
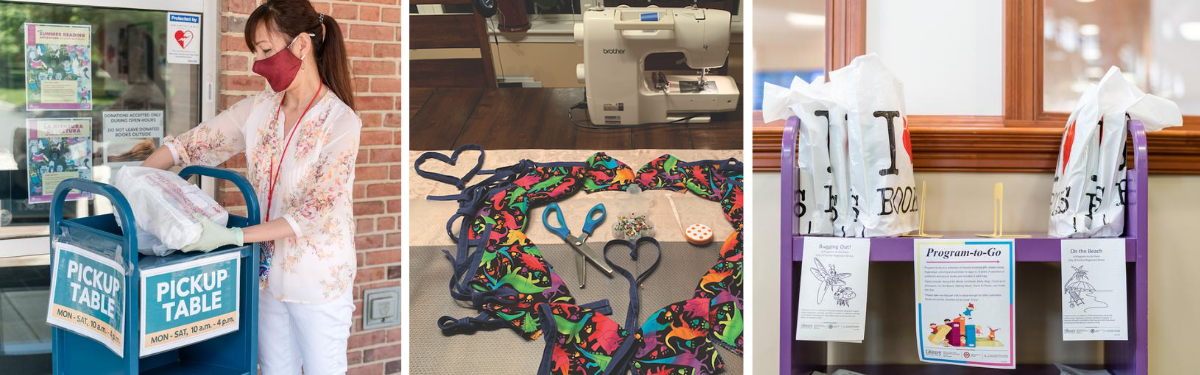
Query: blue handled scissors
column 583, row 251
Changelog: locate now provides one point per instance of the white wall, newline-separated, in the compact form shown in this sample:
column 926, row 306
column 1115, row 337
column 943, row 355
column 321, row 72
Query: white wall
column 1175, row 56
column 912, row 38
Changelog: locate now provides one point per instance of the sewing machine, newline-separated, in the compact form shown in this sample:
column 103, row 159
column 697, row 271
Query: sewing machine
column 620, row 91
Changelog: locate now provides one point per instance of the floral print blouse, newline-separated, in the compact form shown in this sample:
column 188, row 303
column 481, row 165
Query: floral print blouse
column 314, row 192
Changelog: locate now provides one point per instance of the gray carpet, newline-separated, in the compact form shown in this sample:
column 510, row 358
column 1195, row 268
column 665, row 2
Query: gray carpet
column 502, row 351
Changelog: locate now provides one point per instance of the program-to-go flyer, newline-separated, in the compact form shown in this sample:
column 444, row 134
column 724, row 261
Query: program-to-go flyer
column 1094, row 293
column 833, row 289
column 58, row 67
column 965, row 302
column 58, row 149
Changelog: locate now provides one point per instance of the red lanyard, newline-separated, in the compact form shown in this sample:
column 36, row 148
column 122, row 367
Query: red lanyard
column 274, row 177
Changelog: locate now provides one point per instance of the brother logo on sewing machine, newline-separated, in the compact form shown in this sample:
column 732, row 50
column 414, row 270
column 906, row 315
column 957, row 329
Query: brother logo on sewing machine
column 616, row 42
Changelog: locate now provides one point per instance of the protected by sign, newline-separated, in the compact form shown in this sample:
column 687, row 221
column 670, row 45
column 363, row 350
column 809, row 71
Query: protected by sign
column 183, row 38
column 189, row 302
column 87, row 296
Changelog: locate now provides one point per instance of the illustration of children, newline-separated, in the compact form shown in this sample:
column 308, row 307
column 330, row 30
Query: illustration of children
column 992, row 334
column 970, row 309
column 940, row 331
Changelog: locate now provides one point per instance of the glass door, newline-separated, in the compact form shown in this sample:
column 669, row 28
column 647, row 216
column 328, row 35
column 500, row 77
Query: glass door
column 85, row 88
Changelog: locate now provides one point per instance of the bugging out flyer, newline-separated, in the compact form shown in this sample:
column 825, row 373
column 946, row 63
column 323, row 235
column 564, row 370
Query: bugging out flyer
column 833, row 289
column 965, row 303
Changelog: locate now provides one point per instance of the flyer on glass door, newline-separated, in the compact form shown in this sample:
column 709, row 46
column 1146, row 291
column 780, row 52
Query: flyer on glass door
column 965, row 303
column 130, row 137
column 59, row 149
column 58, row 67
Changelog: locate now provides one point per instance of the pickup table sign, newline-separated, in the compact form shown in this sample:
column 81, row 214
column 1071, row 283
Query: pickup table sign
column 189, row 302
column 87, row 296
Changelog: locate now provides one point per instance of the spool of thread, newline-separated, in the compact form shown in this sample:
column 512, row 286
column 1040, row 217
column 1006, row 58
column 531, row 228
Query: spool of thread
column 699, row 234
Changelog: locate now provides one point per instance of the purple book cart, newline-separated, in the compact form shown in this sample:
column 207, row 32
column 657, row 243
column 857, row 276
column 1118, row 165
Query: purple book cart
column 1120, row 357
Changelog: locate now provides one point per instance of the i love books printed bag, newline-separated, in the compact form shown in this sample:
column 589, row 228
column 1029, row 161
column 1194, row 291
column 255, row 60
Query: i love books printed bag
column 812, row 201
column 882, row 193
column 1089, row 193
column 845, row 210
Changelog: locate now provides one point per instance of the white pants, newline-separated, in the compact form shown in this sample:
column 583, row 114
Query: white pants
column 295, row 335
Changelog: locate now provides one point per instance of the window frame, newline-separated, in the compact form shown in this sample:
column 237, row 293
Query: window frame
column 209, row 73
column 1024, row 139
column 560, row 28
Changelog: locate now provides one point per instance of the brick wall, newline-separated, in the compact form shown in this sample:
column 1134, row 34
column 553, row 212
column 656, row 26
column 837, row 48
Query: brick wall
column 372, row 28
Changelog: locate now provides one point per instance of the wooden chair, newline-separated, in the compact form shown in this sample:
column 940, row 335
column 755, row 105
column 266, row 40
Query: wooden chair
column 450, row 31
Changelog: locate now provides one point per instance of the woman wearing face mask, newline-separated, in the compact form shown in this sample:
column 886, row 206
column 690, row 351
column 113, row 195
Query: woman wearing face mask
column 301, row 139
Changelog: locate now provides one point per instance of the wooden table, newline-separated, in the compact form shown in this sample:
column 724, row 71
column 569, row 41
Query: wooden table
column 523, row 118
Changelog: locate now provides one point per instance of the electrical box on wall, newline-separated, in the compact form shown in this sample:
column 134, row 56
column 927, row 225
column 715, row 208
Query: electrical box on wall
column 381, row 308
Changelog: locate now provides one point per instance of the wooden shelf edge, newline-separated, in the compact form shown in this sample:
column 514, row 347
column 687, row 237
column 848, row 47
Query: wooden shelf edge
column 959, row 144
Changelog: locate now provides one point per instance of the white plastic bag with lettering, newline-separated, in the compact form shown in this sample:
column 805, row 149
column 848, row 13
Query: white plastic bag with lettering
column 164, row 204
column 1090, row 178
column 812, row 178
column 882, row 190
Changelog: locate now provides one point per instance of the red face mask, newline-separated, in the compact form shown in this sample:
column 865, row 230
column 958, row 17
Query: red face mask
column 280, row 69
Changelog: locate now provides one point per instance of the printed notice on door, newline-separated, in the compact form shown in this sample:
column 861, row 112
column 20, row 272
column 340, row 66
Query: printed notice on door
column 131, row 136
column 1093, row 284
column 59, row 149
column 965, row 304
column 183, row 38
column 833, row 289
column 58, row 67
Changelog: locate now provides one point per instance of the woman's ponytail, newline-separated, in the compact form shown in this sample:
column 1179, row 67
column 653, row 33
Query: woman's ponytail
column 332, row 62
column 292, row 17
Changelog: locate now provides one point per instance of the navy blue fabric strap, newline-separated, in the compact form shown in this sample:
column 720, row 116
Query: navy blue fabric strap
column 623, row 357
column 465, row 264
column 550, row 332
column 485, row 321
column 459, row 183
column 600, row 307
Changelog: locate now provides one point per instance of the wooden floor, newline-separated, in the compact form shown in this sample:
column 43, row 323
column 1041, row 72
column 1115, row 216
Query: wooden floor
column 524, row 118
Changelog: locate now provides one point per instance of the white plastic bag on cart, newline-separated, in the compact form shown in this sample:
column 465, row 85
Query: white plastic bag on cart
column 164, row 204
column 1090, row 187
column 882, row 191
column 814, row 195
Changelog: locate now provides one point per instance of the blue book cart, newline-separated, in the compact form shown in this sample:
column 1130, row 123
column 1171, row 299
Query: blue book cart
column 230, row 353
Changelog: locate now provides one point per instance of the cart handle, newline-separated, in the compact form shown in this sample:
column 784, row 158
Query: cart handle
column 120, row 206
column 252, row 211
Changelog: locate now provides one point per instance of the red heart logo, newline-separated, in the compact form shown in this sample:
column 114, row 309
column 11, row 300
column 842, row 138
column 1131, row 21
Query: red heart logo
column 184, row 38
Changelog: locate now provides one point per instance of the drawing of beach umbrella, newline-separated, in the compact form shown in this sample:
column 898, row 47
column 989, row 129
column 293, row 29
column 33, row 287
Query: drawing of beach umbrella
column 1077, row 286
